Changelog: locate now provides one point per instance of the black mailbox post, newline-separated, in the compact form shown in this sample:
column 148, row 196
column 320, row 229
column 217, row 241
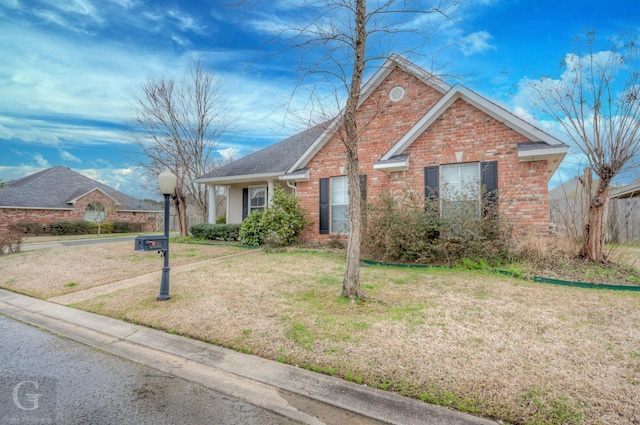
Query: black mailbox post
column 151, row 243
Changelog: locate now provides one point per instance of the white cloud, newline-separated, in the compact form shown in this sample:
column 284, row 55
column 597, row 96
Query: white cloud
column 476, row 42
column 41, row 161
column 68, row 156
column 229, row 153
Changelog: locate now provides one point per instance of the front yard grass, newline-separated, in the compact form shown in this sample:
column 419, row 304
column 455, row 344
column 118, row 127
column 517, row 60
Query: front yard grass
column 496, row 346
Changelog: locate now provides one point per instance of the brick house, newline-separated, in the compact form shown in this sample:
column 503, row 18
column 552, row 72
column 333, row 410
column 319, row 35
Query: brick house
column 59, row 193
column 420, row 133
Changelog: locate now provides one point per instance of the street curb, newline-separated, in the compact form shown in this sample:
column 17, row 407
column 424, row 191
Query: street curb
column 265, row 383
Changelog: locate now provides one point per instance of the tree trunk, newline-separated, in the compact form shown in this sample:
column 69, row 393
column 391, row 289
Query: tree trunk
column 594, row 231
column 351, row 282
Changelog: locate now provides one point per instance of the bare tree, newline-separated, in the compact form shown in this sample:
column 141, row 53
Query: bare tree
column 336, row 53
column 177, row 126
column 98, row 212
column 597, row 103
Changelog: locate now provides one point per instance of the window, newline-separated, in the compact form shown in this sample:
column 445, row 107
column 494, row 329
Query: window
column 334, row 203
column 257, row 198
column 460, row 190
column 470, row 189
column 339, row 205
column 95, row 212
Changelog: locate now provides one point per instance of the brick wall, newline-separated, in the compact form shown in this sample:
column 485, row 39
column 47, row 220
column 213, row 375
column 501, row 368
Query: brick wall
column 461, row 128
column 9, row 216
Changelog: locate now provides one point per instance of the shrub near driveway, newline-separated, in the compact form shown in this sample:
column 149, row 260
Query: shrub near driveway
column 499, row 347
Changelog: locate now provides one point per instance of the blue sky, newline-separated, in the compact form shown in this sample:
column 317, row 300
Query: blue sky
column 68, row 69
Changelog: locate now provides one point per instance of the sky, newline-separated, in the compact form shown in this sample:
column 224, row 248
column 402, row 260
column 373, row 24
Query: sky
column 69, row 69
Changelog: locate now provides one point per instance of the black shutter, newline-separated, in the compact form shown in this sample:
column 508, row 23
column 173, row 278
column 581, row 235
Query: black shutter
column 431, row 182
column 324, row 206
column 489, row 183
column 363, row 187
column 245, row 202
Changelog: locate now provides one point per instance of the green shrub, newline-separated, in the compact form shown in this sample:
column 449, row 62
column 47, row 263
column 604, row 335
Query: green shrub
column 120, row 226
column 411, row 229
column 70, row 227
column 252, row 232
column 31, row 228
column 224, row 232
column 221, row 220
column 284, row 219
column 280, row 224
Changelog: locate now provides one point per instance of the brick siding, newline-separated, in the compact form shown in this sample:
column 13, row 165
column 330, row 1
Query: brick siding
column 10, row 216
column 461, row 128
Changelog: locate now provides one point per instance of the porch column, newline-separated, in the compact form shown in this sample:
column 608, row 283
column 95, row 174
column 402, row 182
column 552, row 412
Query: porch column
column 211, row 195
column 227, row 193
column 270, row 189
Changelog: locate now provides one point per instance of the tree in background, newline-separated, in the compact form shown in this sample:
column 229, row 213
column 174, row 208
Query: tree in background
column 177, row 125
column 98, row 212
column 597, row 103
column 336, row 51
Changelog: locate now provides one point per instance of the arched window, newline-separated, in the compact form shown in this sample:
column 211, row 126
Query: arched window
column 94, row 212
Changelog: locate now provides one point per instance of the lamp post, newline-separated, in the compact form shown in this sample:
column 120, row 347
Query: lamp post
column 167, row 182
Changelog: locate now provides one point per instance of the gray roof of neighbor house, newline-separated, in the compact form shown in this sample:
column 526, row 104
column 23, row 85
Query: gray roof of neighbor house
column 276, row 158
column 57, row 188
column 627, row 191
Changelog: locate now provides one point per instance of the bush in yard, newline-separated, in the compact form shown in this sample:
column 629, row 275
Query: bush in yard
column 408, row 228
column 252, row 232
column 70, row 227
column 31, row 227
column 221, row 220
column 284, row 219
column 10, row 240
column 223, row 232
column 120, row 226
column 280, row 224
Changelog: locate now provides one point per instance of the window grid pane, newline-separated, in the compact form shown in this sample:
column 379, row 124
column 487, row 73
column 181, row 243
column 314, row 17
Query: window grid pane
column 339, row 200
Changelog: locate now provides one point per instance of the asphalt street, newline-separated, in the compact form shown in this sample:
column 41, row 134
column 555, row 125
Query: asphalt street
column 45, row 378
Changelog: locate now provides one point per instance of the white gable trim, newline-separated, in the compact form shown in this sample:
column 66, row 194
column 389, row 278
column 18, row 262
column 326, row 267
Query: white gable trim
column 383, row 72
column 74, row 200
column 488, row 107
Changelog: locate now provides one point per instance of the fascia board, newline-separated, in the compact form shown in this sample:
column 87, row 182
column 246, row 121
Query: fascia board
column 490, row 108
column 74, row 200
column 14, row 207
column 316, row 145
column 244, row 178
column 391, row 166
column 529, row 154
column 296, row 177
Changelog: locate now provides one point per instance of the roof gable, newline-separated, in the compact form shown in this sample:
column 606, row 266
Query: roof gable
column 394, row 61
column 460, row 92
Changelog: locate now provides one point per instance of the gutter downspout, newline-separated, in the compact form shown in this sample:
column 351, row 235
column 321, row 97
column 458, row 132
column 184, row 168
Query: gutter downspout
column 294, row 188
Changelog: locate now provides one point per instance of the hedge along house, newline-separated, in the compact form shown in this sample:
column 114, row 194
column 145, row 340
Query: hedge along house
column 58, row 193
column 416, row 132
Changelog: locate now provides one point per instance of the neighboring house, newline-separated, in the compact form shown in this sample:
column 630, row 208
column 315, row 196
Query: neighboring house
column 58, row 193
column 417, row 132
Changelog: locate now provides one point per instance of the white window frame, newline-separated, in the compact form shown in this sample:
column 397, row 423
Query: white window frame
column 344, row 191
column 253, row 208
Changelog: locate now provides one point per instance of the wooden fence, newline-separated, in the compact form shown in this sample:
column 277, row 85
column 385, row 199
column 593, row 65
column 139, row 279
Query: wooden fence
column 623, row 218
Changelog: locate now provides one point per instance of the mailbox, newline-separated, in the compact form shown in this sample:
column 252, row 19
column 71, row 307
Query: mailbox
column 151, row 243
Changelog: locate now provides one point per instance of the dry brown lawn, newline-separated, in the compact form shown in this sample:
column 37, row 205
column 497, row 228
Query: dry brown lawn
column 510, row 349
column 56, row 271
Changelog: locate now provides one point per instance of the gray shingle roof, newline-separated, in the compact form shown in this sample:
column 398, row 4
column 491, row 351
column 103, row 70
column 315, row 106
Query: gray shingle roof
column 276, row 158
column 55, row 187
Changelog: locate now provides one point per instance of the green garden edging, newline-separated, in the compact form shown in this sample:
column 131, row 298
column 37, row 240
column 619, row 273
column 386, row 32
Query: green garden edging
column 538, row 279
